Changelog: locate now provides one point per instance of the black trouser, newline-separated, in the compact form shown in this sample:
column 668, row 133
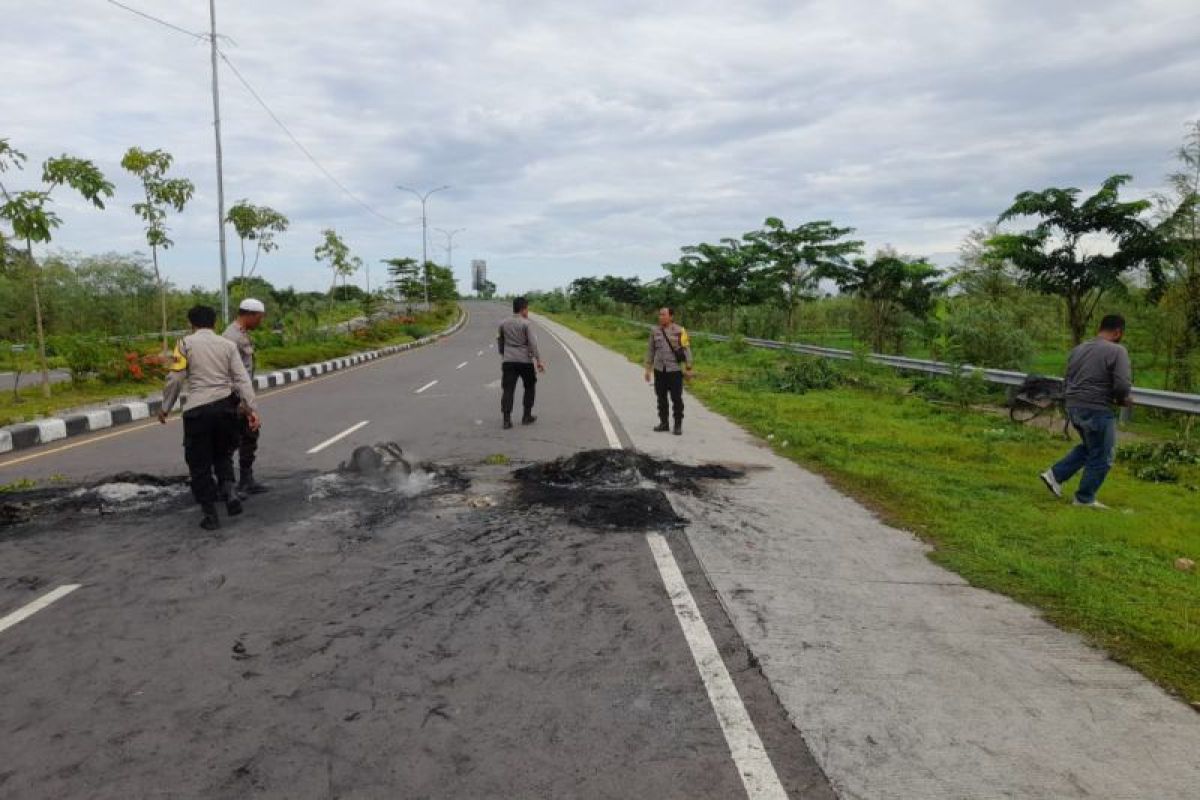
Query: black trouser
column 669, row 383
column 247, row 445
column 210, row 435
column 510, row 371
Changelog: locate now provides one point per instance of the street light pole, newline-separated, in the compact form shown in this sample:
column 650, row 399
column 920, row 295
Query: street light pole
column 212, row 16
column 449, row 244
column 424, row 233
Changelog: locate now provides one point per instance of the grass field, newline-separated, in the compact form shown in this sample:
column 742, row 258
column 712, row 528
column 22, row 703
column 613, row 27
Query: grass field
column 967, row 482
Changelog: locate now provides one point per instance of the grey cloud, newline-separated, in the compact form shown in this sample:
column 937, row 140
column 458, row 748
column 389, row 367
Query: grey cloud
column 602, row 136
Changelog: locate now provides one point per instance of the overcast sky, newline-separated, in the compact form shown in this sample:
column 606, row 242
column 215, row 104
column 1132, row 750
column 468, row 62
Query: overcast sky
column 590, row 137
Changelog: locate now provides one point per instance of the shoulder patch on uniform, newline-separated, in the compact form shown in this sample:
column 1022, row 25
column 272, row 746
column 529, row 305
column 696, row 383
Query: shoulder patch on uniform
column 684, row 341
column 179, row 360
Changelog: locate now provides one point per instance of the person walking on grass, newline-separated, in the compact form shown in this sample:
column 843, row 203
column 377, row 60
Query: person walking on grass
column 218, row 391
column 1098, row 377
column 668, row 354
column 250, row 315
column 520, row 359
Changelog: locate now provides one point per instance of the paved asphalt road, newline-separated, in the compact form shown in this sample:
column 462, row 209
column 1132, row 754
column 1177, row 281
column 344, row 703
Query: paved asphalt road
column 448, row 635
column 31, row 378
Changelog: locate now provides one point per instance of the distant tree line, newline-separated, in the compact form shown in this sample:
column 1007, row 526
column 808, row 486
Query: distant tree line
column 1052, row 261
column 107, row 295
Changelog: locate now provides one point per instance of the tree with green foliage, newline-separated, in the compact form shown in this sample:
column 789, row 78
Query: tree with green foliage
column 258, row 224
column 622, row 291
column 32, row 221
column 1060, row 256
column 719, row 276
column 159, row 193
column 336, row 255
column 661, row 293
column 487, row 291
column 888, row 286
column 980, row 272
column 442, row 286
column 1177, row 285
column 585, row 292
column 406, row 279
column 796, row 259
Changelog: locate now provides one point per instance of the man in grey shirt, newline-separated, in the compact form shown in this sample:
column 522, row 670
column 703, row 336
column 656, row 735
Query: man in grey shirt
column 521, row 360
column 250, row 315
column 1098, row 376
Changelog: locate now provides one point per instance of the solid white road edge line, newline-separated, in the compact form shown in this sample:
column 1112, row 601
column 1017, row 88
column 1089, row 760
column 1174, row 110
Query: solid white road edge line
column 749, row 756
column 339, row 437
column 426, row 386
column 758, row 774
column 37, row 605
column 460, row 366
column 609, row 432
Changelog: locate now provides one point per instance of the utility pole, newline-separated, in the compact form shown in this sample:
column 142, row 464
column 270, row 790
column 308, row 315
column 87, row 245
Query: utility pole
column 212, row 16
column 449, row 244
column 424, row 234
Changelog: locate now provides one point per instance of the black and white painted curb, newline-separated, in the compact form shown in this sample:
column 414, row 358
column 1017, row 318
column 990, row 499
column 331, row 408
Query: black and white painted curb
column 51, row 429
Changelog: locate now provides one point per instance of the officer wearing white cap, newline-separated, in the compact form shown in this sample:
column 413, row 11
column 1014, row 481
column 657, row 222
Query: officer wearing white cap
column 220, row 399
column 250, row 315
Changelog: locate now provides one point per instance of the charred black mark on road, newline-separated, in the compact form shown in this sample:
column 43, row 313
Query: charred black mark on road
column 615, row 489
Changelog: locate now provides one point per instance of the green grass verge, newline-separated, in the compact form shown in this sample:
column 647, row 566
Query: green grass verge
column 967, row 482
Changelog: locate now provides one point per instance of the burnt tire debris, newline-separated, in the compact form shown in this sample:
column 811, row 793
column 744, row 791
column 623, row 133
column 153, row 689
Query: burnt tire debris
column 615, row 489
column 596, row 489
column 123, row 491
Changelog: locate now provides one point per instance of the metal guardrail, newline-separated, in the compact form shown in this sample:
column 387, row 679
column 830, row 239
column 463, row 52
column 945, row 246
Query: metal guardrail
column 1147, row 398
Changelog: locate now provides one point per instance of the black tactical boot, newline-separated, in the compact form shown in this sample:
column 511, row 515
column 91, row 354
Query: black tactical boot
column 247, row 485
column 662, row 426
column 528, row 419
column 233, row 503
column 210, row 521
column 679, row 427
column 507, row 421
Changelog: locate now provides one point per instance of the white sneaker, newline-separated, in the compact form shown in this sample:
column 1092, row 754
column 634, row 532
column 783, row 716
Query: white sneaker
column 1096, row 504
column 1051, row 482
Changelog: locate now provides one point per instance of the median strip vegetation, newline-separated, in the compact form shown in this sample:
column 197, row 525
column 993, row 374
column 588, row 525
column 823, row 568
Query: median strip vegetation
column 103, row 370
column 929, row 456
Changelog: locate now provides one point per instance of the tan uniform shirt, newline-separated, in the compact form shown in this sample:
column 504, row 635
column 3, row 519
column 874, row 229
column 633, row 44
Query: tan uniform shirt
column 520, row 345
column 210, row 368
column 660, row 351
column 245, row 345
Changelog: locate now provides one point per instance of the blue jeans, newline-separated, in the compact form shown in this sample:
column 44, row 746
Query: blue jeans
column 1094, row 454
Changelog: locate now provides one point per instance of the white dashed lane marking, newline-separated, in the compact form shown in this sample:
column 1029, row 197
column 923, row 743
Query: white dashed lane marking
column 338, row 437
column 28, row 610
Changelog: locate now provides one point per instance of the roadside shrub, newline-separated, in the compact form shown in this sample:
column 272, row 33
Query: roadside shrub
column 987, row 335
column 800, row 374
column 1158, row 462
column 962, row 389
column 83, row 357
column 136, row 366
column 862, row 373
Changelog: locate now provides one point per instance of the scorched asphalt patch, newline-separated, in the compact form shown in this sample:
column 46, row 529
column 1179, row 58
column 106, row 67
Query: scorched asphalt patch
column 335, row 642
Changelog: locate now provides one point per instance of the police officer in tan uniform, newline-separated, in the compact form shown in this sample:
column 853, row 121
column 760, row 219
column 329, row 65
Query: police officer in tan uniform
column 668, row 354
column 218, row 392
column 250, row 315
